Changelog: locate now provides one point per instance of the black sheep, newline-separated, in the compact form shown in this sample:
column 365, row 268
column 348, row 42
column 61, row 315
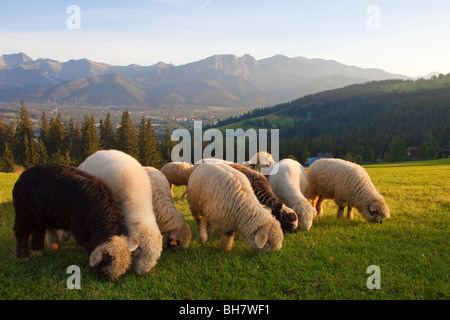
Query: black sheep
column 61, row 197
column 261, row 187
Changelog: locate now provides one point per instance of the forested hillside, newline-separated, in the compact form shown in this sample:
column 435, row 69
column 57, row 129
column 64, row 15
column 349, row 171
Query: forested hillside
column 364, row 117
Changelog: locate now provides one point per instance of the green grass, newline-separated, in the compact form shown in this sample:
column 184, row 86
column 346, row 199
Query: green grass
column 327, row 262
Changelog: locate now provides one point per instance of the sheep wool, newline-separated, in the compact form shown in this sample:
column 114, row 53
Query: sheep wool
column 261, row 161
column 133, row 189
column 261, row 187
column 177, row 173
column 349, row 185
column 221, row 198
column 290, row 184
column 62, row 197
column 171, row 223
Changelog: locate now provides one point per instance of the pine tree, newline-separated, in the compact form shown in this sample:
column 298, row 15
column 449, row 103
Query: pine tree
column 40, row 153
column 89, row 137
column 44, row 129
column 75, row 144
column 149, row 149
column 56, row 138
column 127, row 136
column 24, row 129
column 107, row 136
column 7, row 160
column 166, row 146
column 29, row 154
column 397, row 149
column 6, row 135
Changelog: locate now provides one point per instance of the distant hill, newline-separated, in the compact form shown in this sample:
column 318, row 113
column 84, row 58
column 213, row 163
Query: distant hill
column 369, row 114
column 220, row 80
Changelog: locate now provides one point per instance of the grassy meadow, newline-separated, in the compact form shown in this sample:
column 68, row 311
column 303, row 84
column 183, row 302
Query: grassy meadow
column 327, row 262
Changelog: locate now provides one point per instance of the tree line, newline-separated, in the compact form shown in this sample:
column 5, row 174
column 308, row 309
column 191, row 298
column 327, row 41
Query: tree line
column 65, row 142
column 363, row 122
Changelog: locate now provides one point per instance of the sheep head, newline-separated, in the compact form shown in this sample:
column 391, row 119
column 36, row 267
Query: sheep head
column 376, row 210
column 111, row 259
column 305, row 213
column 179, row 238
column 287, row 217
column 268, row 237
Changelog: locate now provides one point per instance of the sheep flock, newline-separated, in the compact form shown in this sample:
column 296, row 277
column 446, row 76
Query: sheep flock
column 124, row 214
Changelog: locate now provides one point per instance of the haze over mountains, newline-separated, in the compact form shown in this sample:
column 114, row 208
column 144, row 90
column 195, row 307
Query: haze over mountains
column 220, row 80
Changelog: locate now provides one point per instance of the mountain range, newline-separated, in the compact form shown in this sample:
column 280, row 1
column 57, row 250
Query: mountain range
column 220, row 80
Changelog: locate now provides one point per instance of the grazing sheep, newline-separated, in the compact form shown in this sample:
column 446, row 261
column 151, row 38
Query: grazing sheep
column 177, row 173
column 173, row 227
column 349, row 185
column 222, row 198
column 261, row 162
column 290, row 185
column 261, row 187
column 62, row 197
column 132, row 186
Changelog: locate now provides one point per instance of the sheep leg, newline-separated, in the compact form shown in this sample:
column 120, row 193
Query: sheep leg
column 210, row 229
column 37, row 240
column 22, row 246
column 226, row 241
column 202, row 232
column 349, row 212
column 340, row 212
column 319, row 208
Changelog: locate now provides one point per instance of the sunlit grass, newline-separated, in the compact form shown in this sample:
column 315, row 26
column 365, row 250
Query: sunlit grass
column 327, row 262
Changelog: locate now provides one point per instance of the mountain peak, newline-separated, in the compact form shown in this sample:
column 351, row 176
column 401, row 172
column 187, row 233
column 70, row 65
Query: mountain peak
column 15, row 59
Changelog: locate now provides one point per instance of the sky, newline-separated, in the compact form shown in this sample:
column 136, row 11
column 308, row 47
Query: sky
column 405, row 37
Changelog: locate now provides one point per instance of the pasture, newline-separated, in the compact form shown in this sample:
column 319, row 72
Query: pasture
column 328, row 262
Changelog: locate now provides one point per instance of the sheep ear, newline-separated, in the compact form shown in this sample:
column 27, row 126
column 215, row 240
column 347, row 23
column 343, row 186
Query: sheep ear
column 260, row 239
column 133, row 243
column 95, row 258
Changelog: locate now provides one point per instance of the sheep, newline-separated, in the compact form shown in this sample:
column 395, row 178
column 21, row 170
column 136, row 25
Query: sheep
column 290, row 185
column 177, row 173
column 63, row 197
column 173, row 227
column 349, row 185
column 261, row 162
column 133, row 189
column 261, row 187
column 222, row 198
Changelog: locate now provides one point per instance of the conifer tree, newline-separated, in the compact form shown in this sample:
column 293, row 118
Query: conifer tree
column 89, row 137
column 127, row 136
column 397, row 149
column 75, row 145
column 24, row 129
column 6, row 135
column 44, row 129
column 149, row 149
column 166, row 146
column 56, row 135
column 7, row 160
column 107, row 136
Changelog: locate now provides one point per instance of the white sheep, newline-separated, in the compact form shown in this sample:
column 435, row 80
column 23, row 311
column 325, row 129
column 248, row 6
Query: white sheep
column 132, row 187
column 349, row 185
column 261, row 161
column 221, row 198
column 290, row 185
column 177, row 173
column 173, row 227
